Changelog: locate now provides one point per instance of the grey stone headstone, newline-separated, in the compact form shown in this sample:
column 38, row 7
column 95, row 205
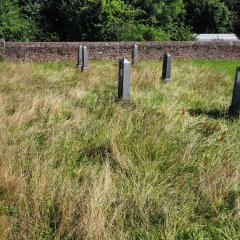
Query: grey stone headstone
column 124, row 80
column 234, row 109
column 167, row 68
column 80, row 54
column 134, row 54
column 2, row 49
column 85, row 59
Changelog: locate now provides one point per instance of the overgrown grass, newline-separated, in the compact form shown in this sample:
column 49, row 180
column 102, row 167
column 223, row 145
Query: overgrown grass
column 77, row 164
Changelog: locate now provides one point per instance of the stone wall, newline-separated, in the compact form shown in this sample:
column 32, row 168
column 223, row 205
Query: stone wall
column 67, row 51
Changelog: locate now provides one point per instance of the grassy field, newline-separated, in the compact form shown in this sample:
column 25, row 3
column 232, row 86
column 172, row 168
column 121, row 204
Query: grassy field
column 77, row 164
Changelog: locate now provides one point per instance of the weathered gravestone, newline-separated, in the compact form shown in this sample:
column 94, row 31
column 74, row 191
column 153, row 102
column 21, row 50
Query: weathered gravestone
column 167, row 68
column 124, row 80
column 2, row 49
column 85, row 59
column 80, row 54
column 234, row 109
column 134, row 54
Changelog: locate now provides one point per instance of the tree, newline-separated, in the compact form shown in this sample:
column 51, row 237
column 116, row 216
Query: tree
column 97, row 20
column 13, row 26
column 209, row 16
column 164, row 16
column 72, row 20
column 234, row 6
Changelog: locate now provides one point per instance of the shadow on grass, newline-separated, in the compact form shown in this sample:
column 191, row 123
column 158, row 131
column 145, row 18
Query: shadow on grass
column 214, row 113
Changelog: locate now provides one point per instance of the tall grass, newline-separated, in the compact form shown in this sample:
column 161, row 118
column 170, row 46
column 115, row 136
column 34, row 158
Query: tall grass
column 77, row 164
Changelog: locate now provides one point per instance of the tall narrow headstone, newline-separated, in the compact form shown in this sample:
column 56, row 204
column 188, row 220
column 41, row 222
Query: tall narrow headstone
column 2, row 49
column 124, row 80
column 234, row 109
column 80, row 52
column 167, row 68
column 134, row 54
column 84, row 59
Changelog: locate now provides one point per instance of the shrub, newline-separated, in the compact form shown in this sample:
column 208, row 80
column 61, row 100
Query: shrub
column 181, row 33
column 140, row 32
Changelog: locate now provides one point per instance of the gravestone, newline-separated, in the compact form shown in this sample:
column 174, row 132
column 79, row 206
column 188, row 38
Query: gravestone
column 234, row 109
column 80, row 54
column 2, row 49
column 85, row 59
column 167, row 68
column 124, row 80
column 134, row 54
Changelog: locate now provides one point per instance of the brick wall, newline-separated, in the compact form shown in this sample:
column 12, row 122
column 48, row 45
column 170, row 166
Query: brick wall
column 67, row 51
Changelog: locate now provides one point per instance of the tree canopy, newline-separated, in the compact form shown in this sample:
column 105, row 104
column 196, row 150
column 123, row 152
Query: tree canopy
column 100, row 20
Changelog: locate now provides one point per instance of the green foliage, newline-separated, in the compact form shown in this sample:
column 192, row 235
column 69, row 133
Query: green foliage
column 12, row 24
column 103, row 20
column 164, row 20
column 141, row 32
column 235, row 5
column 107, row 20
column 181, row 33
column 43, row 15
column 114, row 18
column 209, row 16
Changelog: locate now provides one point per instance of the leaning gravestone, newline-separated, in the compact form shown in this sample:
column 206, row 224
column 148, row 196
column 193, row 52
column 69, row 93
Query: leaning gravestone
column 167, row 68
column 80, row 51
column 124, row 80
column 134, row 54
column 234, row 109
column 85, row 59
